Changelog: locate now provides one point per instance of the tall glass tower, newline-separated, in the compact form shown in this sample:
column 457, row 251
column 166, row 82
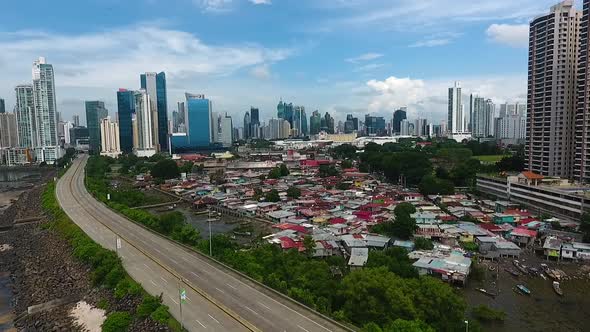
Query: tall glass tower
column 155, row 85
column 126, row 109
column 95, row 112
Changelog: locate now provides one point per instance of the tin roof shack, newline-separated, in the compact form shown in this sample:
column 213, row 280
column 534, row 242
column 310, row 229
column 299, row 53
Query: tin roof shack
column 501, row 218
column 583, row 250
column 377, row 241
column 280, row 215
column 522, row 236
column 552, row 247
column 493, row 247
column 352, row 241
column 358, row 257
column 408, row 245
column 453, row 268
column 425, row 218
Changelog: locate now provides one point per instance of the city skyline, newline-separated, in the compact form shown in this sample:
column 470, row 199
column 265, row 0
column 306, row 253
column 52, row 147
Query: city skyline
column 288, row 63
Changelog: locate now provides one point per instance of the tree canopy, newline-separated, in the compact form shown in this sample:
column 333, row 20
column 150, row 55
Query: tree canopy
column 165, row 169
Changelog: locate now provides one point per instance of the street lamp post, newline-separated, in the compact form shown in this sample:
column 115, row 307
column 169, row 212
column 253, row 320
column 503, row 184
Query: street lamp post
column 466, row 326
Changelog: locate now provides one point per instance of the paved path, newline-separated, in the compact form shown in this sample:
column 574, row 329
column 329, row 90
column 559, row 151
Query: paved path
column 217, row 298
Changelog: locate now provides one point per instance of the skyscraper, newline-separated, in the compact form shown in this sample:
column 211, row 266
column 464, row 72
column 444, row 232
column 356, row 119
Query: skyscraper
column 582, row 117
column 227, row 129
column 109, row 138
column 247, row 127
column 126, row 109
column 25, row 116
column 48, row 149
column 76, row 120
column 155, row 85
column 315, row 123
column 483, row 114
column 398, row 116
column 199, row 114
column 144, row 141
column 456, row 117
column 299, row 121
column 2, row 106
column 553, row 54
column 95, row 112
column 374, row 125
column 8, row 131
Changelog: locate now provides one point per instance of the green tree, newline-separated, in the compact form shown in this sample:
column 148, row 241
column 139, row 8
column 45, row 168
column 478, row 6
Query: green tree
column 421, row 243
column 187, row 167
column 275, row 173
column 487, row 314
column 404, row 209
column 165, row 169
column 117, row 321
column 430, row 185
column 272, row 196
column 309, row 245
column 344, row 151
column 396, row 260
column 346, row 164
column 400, row 325
column 294, row 192
column 404, row 226
column 284, row 170
column 327, row 171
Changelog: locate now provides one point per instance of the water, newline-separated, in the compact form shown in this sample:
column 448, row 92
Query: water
column 543, row 310
column 199, row 221
column 6, row 314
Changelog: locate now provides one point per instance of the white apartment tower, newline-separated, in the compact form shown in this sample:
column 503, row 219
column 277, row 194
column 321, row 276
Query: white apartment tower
column 456, row 117
column 45, row 112
column 145, row 138
column 110, row 144
column 552, row 67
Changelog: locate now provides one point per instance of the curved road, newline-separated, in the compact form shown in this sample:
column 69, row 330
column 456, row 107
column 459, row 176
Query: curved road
column 218, row 299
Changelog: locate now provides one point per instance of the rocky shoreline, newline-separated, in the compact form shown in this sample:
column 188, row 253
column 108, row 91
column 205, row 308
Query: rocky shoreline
column 42, row 268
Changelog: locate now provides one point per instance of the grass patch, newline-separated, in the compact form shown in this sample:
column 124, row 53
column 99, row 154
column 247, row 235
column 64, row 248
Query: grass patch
column 492, row 159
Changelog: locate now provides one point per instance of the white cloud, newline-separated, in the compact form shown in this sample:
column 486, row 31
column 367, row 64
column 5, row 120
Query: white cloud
column 369, row 67
column 94, row 65
column 364, row 57
column 214, row 6
column 261, row 2
column 261, row 72
column 428, row 98
column 431, row 42
column 511, row 35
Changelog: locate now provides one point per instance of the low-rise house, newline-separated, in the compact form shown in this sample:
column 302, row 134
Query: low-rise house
column 494, row 247
column 501, row 218
column 583, row 250
column 351, row 241
column 280, row 215
column 568, row 251
column 425, row 218
column 358, row 257
column 377, row 241
column 552, row 247
column 453, row 268
column 408, row 245
column 522, row 236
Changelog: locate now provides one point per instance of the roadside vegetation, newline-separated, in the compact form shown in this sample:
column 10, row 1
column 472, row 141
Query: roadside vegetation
column 106, row 266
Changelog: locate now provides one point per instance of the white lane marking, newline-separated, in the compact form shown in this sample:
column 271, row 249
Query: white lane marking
column 196, row 275
column 214, row 319
column 173, row 260
column 185, row 259
column 158, row 250
column 222, row 292
column 153, row 283
column 201, row 324
column 149, row 268
column 232, row 286
column 264, row 305
column 173, row 300
column 251, row 310
column 299, row 326
column 166, row 281
column 188, row 299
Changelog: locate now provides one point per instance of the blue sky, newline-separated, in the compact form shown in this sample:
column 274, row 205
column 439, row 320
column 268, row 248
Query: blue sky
column 341, row 56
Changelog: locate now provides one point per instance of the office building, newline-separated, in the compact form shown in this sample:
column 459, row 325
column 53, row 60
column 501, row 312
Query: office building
column 67, row 126
column 199, row 114
column 285, row 112
column 421, row 127
column 155, row 86
column 215, row 127
column 247, row 125
column 404, row 128
column 144, row 139
column 299, row 122
column 45, row 111
column 456, row 118
column 227, row 128
column 374, row 125
column 95, row 112
column 398, row 116
column 8, row 131
column 327, row 123
column 76, row 120
column 109, row 138
column 315, row 123
column 125, row 110
column 2, row 106
column 553, row 54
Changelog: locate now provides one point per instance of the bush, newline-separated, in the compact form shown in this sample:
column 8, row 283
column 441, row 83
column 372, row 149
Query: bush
column 148, row 305
column 161, row 314
column 421, row 243
column 470, row 246
column 487, row 314
column 117, row 321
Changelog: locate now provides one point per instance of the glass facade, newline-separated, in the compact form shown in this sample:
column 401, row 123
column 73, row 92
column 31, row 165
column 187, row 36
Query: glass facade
column 125, row 108
column 198, row 121
column 161, row 101
column 95, row 111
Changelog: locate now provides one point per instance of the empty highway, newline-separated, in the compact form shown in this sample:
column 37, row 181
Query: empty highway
column 217, row 298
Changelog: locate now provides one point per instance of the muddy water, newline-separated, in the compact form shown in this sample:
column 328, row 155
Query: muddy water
column 6, row 314
column 543, row 310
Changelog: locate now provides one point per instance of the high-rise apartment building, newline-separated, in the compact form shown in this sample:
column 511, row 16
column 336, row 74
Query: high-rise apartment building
column 144, row 139
column 299, row 122
column 67, row 126
column 227, row 128
column 2, row 106
column 109, row 138
column 247, row 127
column 552, row 67
column 26, row 120
column 8, row 131
column 582, row 116
column 45, row 111
column 95, row 112
column 420, row 127
column 456, row 117
column 315, row 123
column 482, row 115
column 155, row 86
column 76, row 120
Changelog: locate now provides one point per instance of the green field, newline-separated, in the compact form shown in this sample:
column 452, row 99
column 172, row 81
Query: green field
column 490, row 159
